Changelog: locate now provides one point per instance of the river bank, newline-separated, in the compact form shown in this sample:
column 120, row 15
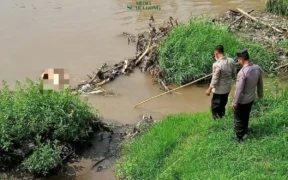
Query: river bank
column 186, row 146
column 163, row 158
column 267, row 68
column 160, row 109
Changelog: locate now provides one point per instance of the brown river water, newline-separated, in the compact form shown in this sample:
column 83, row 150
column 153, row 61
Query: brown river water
column 81, row 35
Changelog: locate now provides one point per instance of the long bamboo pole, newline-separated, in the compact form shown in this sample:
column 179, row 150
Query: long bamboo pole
column 173, row 90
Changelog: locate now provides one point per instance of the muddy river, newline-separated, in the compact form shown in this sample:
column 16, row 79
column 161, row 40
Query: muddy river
column 80, row 35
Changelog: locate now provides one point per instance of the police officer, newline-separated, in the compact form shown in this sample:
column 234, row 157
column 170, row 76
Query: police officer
column 223, row 72
column 248, row 78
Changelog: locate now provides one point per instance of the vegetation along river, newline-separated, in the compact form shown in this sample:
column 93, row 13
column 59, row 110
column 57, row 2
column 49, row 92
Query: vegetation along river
column 80, row 36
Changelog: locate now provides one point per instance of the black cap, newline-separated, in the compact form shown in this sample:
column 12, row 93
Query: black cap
column 243, row 54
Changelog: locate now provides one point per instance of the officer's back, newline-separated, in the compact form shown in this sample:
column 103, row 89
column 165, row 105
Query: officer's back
column 251, row 74
column 226, row 74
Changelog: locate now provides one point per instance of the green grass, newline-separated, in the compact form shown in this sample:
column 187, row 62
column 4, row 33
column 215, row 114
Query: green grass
column 35, row 127
column 193, row 146
column 187, row 53
column 283, row 44
column 279, row 7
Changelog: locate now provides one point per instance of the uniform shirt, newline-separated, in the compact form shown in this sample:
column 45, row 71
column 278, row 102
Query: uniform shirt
column 248, row 78
column 223, row 71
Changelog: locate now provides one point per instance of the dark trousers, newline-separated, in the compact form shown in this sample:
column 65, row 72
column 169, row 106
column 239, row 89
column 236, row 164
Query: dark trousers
column 218, row 104
column 241, row 119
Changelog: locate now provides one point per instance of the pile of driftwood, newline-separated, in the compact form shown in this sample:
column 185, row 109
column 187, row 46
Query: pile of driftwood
column 147, row 44
column 264, row 28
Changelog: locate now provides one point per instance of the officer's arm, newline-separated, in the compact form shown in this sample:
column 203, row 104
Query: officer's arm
column 260, row 86
column 215, row 76
column 240, row 83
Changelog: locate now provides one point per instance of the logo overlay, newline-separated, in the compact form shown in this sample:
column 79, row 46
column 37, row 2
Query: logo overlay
column 143, row 5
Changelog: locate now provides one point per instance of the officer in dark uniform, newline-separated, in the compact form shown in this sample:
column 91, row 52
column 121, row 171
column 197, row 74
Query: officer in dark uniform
column 248, row 79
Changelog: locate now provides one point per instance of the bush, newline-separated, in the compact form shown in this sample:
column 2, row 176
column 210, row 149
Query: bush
column 193, row 146
column 43, row 159
column 27, row 113
column 187, row 53
column 279, row 7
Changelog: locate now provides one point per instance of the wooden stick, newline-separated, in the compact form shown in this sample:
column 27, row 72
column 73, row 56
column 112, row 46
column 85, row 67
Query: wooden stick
column 172, row 90
column 96, row 74
column 164, row 85
column 104, row 82
column 256, row 20
column 238, row 19
column 145, row 52
column 281, row 66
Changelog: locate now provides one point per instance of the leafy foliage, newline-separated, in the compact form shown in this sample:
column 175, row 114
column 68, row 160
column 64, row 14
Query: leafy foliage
column 43, row 159
column 187, row 53
column 193, row 146
column 279, row 7
column 27, row 113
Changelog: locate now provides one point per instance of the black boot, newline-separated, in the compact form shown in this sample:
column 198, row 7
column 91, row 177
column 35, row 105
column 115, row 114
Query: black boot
column 249, row 131
column 239, row 140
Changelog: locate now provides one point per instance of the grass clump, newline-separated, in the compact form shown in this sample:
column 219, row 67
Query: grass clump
column 187, row 53
column 283, row 44
column 279, row 7
column 194, row 146
column 26, row 113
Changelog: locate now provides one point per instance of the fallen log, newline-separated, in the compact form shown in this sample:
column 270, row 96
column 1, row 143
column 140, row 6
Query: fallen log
column 256, row 20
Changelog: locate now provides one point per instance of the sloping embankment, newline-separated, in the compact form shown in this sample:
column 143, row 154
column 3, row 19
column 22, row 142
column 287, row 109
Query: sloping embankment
column 196, row 147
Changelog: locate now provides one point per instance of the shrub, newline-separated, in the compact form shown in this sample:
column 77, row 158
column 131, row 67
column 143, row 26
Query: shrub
column 279, row 7
column 27, row 113
column 187, row 53
column 43, row 159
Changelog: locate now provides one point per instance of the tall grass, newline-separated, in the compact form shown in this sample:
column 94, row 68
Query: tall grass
column 196, row 147
column 187, row 53
column 279, row 7
column 35, row 126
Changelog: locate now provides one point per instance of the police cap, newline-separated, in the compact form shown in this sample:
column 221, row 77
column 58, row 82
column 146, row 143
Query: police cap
column 243, row 54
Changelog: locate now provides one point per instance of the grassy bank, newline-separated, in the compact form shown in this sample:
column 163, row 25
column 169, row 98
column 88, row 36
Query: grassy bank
column 187, row 53
column 279, row 7
column 36, row 129
column 193, row 146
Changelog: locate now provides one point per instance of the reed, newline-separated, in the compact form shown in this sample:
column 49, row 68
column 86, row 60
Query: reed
column 279, row 7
